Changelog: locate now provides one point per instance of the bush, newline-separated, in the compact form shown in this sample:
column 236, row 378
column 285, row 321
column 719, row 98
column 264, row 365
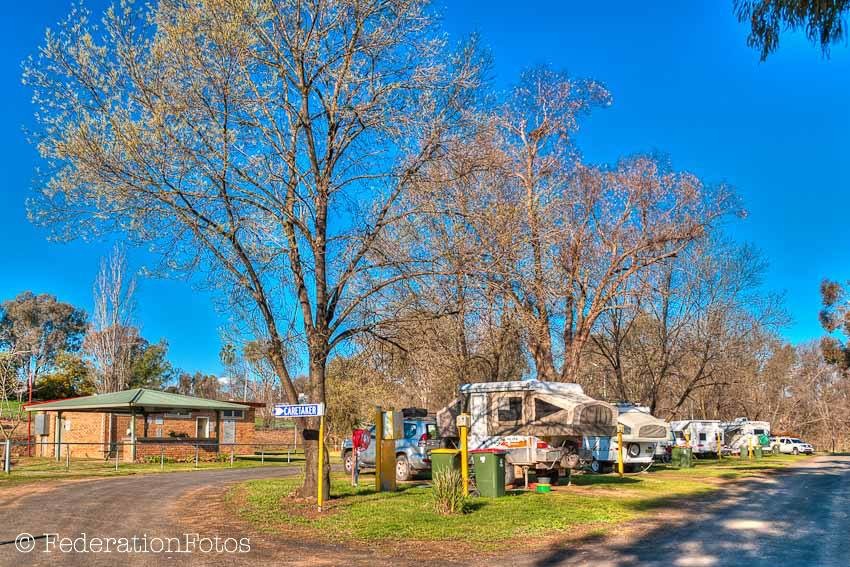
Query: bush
column 448, row 492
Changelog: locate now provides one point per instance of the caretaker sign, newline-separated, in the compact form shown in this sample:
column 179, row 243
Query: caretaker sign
column 299, row 410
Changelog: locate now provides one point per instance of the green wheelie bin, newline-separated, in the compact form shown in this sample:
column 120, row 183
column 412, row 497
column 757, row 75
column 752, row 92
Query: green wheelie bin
column 489, row 468
column 681, row 457
column 444, row 459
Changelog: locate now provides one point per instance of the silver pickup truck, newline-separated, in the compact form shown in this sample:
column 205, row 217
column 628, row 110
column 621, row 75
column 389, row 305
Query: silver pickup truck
column 411, row 453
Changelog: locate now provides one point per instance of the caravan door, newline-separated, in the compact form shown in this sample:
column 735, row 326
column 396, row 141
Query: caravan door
column 479, row 414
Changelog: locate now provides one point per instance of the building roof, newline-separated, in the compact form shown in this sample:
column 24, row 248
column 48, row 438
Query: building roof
column 138, row 398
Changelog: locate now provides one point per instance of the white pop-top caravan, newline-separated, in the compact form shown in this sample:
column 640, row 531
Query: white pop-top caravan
column 739, row 432
column 703, row 433
column 643, row 433
column 539, row 424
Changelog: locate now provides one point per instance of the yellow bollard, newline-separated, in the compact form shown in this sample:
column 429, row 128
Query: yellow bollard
column 321, row 495
column 463, row 425
column 620, row 449
column 719, row 447
column 379, row 436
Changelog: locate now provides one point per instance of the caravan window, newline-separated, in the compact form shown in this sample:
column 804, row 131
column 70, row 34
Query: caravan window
column 758, row 431
column 543, row 409
column 702, row 437
column 510, row 409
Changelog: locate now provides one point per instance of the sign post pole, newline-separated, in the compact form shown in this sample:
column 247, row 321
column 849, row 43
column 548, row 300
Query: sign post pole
column 321, row 461
column 293, row 411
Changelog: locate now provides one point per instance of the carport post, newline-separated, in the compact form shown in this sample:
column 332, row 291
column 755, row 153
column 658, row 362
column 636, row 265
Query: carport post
column 57, row 450
column 133, row 435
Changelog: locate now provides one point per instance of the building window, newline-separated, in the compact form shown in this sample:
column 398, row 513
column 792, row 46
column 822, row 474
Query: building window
column 510, row 409
column 543, row 409
column 233, row 414
column 202, row 428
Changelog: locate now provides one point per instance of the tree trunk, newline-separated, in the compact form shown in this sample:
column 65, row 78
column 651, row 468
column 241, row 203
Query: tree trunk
column 310, row 439
column 541, row 350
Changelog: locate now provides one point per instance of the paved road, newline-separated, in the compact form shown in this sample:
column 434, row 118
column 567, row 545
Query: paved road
column 118, row 507
column 800, row 517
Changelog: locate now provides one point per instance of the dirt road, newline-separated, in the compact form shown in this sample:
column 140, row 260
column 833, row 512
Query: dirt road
column 799, row 517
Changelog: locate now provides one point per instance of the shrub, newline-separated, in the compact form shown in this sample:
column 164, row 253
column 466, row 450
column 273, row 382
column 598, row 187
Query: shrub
column 448, row 492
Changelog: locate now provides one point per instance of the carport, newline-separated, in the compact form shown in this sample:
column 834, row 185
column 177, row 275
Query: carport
column 138, row 402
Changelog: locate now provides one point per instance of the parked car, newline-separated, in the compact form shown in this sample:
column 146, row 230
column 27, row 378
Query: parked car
column 420, row 435
column 790, row 446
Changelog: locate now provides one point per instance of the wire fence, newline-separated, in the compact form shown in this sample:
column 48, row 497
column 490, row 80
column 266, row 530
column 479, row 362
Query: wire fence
column 51, row 457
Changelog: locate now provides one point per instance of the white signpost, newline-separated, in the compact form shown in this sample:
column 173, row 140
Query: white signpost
column 299, row 410
column 294, row 411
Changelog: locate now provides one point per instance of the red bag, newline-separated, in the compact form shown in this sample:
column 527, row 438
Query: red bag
column 360, row 439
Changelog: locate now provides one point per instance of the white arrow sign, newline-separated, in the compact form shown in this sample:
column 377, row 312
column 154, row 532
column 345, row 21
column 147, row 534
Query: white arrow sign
column 299, row 410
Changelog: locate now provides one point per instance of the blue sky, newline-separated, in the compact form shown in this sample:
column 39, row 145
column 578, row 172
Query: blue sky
column 684, row 83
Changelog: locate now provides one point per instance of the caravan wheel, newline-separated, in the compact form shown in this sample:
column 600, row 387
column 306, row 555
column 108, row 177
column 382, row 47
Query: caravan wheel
column 596, row 467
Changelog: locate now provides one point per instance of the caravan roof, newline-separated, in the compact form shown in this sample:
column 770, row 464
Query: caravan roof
column 557, row 388
column 679, row 425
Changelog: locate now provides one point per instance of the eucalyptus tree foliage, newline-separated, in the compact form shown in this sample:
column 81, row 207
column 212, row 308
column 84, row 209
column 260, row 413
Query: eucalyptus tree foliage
column 266, row 145
column 823, row 21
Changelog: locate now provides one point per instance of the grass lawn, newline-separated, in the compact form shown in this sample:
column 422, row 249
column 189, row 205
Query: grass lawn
column 594, row 503
column 36, row 469
column 26, row 470
column 10, row 408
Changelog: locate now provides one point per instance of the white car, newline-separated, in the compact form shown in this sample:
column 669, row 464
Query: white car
column 791, row 446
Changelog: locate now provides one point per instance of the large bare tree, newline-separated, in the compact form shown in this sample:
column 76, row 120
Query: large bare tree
column 558, row 239
column 266, row 144
column 111, row 336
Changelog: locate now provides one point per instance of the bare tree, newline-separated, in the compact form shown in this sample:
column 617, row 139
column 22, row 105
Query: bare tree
column 267, row 145
column 13, row 389
column 111, row 336
column 699, row 327
column 561, row 240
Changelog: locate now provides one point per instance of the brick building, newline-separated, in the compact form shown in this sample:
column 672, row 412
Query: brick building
column 139, row 423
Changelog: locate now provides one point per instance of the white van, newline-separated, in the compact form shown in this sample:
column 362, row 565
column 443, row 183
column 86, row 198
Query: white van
column 739, row 432
column 703, row 434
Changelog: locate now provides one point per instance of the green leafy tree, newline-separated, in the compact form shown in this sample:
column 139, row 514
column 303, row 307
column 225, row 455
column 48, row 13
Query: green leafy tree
column 36, row 329
column 72, row 376
column 821, row 20
column 149, row 366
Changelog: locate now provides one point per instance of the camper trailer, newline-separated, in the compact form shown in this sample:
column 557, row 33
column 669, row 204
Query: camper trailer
column 738, row 433
column 643, row 434
column 703, row 435
column 539, row 424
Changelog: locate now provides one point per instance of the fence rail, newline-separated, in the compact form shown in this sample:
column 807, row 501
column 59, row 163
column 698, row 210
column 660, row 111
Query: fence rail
column 50, row 456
